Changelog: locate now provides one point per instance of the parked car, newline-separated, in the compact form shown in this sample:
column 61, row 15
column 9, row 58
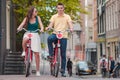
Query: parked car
column 92, row 67
column 83, row 67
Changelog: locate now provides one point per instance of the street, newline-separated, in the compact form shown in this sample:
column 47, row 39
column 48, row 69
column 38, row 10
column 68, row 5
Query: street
column 45, row 75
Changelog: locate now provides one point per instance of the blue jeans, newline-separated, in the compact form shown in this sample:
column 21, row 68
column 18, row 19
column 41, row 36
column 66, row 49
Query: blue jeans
column 53, row 39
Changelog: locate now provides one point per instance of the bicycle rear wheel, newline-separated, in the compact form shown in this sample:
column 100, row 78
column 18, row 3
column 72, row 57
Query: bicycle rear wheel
column 52, row 69
column 57, row 64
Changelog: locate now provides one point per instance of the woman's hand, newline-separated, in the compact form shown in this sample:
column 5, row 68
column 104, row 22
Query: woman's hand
column 41, row 30
column 19, row 29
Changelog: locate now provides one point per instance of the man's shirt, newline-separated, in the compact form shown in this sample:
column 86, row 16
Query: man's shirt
column 60, row 23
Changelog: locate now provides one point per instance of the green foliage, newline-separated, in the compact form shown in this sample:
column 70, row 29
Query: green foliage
column 46, row 8
column 43, row 46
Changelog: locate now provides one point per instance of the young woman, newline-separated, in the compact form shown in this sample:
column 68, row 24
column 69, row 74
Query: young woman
column 32, row 21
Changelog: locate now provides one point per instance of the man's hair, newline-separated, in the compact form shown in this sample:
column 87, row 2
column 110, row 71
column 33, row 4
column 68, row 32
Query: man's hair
column 104, row 55
column 60, row 4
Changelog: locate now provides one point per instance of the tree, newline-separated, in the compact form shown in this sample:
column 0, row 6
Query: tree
column 46, row 8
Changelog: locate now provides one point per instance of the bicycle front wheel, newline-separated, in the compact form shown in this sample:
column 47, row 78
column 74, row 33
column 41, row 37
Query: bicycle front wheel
column 57, row 64
column 27, row 63
column 27, row 69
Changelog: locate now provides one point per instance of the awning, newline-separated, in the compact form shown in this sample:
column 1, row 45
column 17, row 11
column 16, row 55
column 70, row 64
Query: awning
column 114, row 39
column 91, row 45
column 101, row 40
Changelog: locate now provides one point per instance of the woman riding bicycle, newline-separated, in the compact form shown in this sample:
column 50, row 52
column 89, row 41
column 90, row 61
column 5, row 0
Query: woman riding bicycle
column 32, row 21
column 59, row 22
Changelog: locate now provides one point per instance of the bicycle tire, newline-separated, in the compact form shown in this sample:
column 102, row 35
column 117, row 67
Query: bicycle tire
column 27, row 69
column 57, row 64
column 52, row 69
column 27, row 64
column 117, row 73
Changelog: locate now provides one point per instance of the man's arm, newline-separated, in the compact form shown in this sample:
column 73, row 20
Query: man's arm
column 49, row 26
column 70, row 23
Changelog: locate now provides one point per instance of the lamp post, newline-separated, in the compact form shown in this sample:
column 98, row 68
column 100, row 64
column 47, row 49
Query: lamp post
column 3, row 34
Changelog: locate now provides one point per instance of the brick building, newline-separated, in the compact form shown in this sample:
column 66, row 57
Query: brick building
column 113, row 28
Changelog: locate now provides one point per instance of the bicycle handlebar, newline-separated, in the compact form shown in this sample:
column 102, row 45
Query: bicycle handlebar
column 28, row 30
column 68, row 30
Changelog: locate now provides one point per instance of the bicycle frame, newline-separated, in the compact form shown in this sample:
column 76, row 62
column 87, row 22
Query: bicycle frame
column 57, row 45
column 28, row 52
column 55, row 63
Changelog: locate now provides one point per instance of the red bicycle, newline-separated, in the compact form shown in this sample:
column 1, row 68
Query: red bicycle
column 55, row 62
column 28, row 52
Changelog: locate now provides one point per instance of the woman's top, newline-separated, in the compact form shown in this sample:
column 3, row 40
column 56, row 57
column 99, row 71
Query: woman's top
column 33, row 26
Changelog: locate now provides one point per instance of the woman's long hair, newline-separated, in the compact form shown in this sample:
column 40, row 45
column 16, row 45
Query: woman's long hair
column 29, row 14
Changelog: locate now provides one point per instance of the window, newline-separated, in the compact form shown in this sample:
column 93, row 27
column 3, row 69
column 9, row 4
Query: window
column 107, row 19
column 101, row 49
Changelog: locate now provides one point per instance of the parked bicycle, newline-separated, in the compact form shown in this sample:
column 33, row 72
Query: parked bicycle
column 55, row 61
column 28, row 52
column 116, row 71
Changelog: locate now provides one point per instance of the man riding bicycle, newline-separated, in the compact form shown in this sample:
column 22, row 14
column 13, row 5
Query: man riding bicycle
column 59, row 22
column 104, row 66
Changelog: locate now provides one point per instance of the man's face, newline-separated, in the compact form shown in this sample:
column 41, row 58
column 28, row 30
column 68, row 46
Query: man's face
column 60, row 9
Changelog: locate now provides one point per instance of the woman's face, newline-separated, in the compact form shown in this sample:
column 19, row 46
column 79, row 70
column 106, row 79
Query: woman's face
column 35, row 12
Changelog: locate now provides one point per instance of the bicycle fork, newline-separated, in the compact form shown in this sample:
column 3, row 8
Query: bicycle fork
column 57, row 46
column 28, row 54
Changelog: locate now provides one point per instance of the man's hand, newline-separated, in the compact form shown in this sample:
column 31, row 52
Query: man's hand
column 47, row 28
column 71, row 29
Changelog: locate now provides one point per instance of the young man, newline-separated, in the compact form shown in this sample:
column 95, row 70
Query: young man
column 104, row 66
column 60, row 22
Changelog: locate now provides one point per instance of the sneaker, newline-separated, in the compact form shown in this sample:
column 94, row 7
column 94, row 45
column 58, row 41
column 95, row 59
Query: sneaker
column 61, row 71
column 37, row 73
column 63, row 75
column 23, row 54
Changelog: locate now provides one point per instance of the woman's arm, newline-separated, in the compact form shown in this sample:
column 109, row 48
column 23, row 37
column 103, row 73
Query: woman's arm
column 49, row 26
column 22, row 24
column 40, row 23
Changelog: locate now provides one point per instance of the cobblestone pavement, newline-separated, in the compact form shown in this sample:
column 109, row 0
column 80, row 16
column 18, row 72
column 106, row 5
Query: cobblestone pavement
column 45, row 75
column 49, row 77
